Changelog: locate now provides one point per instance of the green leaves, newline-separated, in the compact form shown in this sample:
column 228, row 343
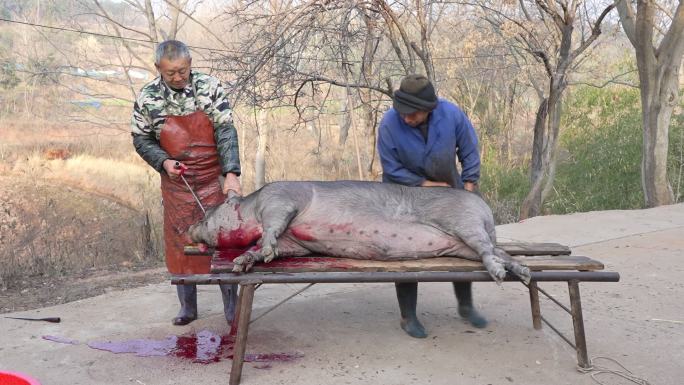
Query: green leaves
column 601, row 142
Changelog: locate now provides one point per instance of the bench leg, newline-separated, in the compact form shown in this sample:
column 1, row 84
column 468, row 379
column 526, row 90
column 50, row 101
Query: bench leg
column 578, row 324
column 534, row 303
column 244, row 314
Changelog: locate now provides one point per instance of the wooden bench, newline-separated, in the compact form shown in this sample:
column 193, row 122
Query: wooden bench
column 548, row 262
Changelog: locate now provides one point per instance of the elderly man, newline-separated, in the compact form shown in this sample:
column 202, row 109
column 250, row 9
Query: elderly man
column 419, row 141
column 182, row 126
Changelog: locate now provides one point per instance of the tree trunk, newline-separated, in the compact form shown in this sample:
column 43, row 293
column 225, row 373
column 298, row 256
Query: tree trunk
column 345, row 118
column 554, row 130
column 657, row 106
column 260, row 157
column 544, row 149
column 531, row 205
column 174, row 10
column 151, row 23
column 368, row 114
column 659, row 85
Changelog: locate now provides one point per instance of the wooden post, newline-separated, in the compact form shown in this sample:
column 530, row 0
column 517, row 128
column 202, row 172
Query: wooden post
column 244, row 315
column 578, row 324
column 534, row 303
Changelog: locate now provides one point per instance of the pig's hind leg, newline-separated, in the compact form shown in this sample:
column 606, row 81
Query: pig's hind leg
column 274, row 220
column 494, row 259
column 479, row 240
column 521, row 271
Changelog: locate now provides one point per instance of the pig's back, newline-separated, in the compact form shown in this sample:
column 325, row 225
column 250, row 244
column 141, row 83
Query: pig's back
column 372, row 220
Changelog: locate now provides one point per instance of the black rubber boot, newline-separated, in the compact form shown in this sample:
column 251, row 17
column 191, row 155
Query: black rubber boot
column 464, row 295
column 187, row 295
column 229, row 295
column 407, row 294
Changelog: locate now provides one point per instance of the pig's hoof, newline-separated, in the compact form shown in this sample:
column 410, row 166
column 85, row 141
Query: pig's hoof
column 269, row 253
column 473, row 316
column 524, row 273
column 497, row 272
column 494, row 267
column 521, row 271
column 413, row 327
column 269, row 257
column 247, row 260
column 243, row 263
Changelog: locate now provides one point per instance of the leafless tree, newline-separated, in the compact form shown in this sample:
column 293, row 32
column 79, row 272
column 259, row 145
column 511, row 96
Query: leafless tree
column 555, row 34
column 658, row 50
column 118, row 61
column 479, row 72
column 296, row 51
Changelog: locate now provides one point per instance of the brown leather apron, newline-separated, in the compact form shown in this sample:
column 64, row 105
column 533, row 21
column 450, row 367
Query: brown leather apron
column 190, row 140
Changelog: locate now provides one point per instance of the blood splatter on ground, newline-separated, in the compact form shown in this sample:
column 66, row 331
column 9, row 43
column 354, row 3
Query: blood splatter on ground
column 202, row 347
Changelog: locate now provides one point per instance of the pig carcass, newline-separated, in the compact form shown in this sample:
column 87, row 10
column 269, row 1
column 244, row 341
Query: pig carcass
column 353, row 219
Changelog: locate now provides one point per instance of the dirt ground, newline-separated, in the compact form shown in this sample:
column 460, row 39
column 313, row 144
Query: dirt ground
column 49, row 291
column 60, row 244
column 349, row 333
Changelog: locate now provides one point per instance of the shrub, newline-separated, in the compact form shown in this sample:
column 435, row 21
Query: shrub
column 600, row 155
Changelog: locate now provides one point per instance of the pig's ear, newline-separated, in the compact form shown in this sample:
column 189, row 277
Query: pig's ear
column 233, row 197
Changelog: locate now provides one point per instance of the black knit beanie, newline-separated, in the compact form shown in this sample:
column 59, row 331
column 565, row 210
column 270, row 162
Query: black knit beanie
column 415, row 93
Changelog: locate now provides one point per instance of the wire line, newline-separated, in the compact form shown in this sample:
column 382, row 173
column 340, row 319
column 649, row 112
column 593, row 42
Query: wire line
column 237, row 51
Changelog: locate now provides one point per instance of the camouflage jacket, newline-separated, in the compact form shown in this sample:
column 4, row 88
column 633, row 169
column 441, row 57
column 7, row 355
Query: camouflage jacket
column 157, row 100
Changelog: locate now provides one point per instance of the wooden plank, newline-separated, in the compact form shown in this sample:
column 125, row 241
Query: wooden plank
column 327, row 264
column 512, row 248
column 564, row 262
column 524, row 248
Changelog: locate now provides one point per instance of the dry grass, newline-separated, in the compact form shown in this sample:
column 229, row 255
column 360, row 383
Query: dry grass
column 131, row 184
column 75, row 198
column 98, row 161
column 50, row 230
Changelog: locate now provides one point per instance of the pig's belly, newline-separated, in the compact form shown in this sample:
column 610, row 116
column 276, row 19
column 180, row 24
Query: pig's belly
column 380, row 241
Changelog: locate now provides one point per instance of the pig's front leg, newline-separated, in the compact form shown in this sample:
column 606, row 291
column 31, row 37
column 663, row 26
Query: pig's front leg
column 247, row 259
column 274, row 221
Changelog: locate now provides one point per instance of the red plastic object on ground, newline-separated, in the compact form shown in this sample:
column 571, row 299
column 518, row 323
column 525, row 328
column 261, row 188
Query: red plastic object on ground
column 14, row 378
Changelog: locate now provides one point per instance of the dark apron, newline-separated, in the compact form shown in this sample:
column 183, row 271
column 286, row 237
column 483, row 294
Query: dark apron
column 190, row 140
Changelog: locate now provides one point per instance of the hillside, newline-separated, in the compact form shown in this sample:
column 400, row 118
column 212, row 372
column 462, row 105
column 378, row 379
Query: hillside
column 59, row 244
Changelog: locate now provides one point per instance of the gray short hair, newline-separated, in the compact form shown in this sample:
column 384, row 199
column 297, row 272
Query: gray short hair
column 171, row 50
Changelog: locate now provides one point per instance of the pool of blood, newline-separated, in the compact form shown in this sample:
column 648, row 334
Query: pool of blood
column 202, row 347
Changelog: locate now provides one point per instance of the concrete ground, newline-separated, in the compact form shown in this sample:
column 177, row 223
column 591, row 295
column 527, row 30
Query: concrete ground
column 349, row 333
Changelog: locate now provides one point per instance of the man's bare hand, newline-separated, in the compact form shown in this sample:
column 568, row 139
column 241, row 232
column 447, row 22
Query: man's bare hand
column 232, row 183
column 171, row 169
column 431, row 183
